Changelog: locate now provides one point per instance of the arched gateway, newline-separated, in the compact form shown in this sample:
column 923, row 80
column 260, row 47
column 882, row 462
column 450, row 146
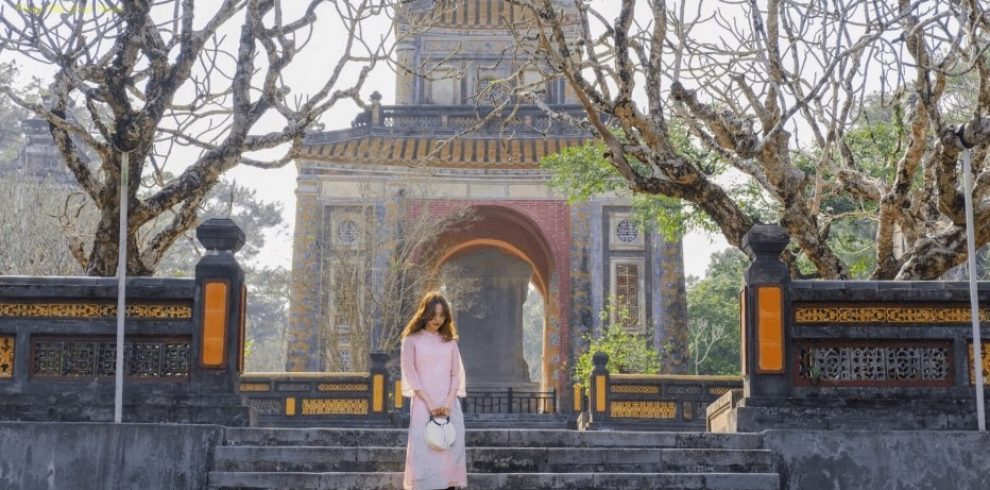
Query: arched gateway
column 520, row 232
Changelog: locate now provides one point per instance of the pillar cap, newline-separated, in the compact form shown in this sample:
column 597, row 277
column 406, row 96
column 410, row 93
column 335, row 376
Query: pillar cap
column 764, row 239
column 600, row 360
column 220, row 234
column 378, row 361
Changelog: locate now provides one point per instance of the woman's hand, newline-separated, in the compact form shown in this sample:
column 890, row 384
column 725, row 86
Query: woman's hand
column 441, row 411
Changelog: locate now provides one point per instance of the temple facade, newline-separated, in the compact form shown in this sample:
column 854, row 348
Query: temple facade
column 428, row 151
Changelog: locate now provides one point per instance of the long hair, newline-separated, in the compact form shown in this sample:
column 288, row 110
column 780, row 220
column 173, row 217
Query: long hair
column 424, row 312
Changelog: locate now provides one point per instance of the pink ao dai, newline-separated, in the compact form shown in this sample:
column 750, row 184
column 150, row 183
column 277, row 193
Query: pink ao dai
column 434, row 366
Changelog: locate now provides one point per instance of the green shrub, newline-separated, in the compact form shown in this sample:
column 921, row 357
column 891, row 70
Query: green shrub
column 628, row 353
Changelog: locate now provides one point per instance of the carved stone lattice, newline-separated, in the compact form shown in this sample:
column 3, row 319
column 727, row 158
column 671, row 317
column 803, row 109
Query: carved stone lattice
column 255, row 387
column 644, row 409
column 649, row 390
column 334, row 406
column 412, row 122
column 175, row 359
column 94, row 310
column 926, row 365
column 6, row 357
column 78, row 358
column 292, row 387
column 106, row 363
column 47, row 359
column 266, row 406
column 145, row 360
column 683, row 390
column 804, row 314
column 342, row 387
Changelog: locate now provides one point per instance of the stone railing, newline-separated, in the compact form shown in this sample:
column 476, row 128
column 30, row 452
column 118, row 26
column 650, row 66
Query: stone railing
column 451, row 120
column 509, row 400
column 313, row 399
column 650, row 402
column 851, row 354
column 182, row 353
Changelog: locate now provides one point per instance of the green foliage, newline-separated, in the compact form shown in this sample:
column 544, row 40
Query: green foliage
column 581, row 172
column 627, row 353
column 713, row 307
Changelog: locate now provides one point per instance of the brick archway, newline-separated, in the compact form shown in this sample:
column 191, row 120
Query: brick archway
column 537, row 233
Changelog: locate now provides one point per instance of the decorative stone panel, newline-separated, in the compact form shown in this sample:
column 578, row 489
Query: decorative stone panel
column 95, row 310
column 850, row 363
column 7, row 356
column 82, row 357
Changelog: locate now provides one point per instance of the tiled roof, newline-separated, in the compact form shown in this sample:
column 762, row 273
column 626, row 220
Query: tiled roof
column 435, row 151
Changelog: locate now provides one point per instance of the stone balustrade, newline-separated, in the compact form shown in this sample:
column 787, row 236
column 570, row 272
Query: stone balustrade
column 314, row 399
column 182, row 354
column 851, row 354
column 650, row 402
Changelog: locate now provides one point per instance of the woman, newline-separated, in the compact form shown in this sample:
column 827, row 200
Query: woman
column 433, row 376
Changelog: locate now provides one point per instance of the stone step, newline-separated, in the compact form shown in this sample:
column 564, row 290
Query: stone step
column 493, row 438
column 496, row 459
column 515, row 481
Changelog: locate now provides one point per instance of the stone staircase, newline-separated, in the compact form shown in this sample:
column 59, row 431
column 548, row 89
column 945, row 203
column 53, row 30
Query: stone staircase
column 253, row 458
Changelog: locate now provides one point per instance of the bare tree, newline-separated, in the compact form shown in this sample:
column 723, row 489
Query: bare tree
column 34, row 227
column 704, row 335
column 159, row 77
column 774, row 88
column 373, row 284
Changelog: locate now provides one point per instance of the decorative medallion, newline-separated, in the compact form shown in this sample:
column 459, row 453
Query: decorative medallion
column 626, row 231
column 347, row 232
column 623, row 232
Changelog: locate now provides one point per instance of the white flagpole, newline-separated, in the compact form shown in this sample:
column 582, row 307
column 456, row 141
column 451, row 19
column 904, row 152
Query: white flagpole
column 118, row 397
column 974, row 302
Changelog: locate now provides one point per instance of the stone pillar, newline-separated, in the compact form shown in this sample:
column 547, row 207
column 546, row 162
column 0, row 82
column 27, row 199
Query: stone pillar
column 218, row 334
column 405, row 78
column 304, row 349
column 218, row 326
column 598, row 392
column 379, row 384
column 767, row 273
column 489, row 319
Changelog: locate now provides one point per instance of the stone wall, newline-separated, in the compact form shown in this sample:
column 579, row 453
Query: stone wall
column 826, row 460
column 84, row 456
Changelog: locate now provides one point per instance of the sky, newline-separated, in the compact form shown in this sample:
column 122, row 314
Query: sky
column 304, row 76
